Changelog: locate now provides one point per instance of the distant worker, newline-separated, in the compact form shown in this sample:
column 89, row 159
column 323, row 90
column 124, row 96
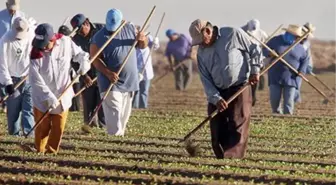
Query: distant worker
column 144, row 60
column 283, row 82
column 179, row 50
column 253, row 26
column 306, row 46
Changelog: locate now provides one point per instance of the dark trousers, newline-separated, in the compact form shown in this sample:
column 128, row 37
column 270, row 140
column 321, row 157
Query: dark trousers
column 76, row 100
column 91, row 98
column 183, row 75
column 260, row 86
column 230, row 128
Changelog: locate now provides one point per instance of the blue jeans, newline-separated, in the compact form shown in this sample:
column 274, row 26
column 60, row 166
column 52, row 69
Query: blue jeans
column 288, row 92
column 2, row 95
column 140, row 99
column 297, row 98
column 20, row 109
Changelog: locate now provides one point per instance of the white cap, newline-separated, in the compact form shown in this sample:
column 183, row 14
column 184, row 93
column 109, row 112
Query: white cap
column 20, row 28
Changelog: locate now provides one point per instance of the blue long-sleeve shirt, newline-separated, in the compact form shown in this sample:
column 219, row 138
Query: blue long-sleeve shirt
column 280, row 74
column 228, row 62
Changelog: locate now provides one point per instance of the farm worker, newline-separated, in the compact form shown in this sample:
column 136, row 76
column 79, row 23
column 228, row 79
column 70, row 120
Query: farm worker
column 179, row 50
column 226, row 60
column 144, row 60
column 118, row 104
column 49, row 77
column 309, row 70
column 90, row 96
column 283, row 81
column 7, row 17
column 65, row 30
column 15, row 47
column 253, row 26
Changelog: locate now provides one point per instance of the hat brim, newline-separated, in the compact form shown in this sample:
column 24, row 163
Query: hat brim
column 292, row 32
column 21, row 34
column 40, row 44
column 196, row 41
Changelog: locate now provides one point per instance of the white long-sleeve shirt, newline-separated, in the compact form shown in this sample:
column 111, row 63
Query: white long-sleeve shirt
column 14, row 56
column 142, row 55
column 49, row 74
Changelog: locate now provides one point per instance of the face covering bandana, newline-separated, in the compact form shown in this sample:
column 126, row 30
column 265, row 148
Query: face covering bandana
column 289, row 38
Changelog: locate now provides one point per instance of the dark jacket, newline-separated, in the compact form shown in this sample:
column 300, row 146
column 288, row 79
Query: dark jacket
column 84, row 43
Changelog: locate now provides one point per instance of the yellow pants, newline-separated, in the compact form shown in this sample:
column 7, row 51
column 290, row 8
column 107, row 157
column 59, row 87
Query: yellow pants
column 49, row 133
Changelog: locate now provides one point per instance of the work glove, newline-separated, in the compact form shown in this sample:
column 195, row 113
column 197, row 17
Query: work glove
column 51, row 103
column 10, row 89
column 156, row 43
column 141, row 77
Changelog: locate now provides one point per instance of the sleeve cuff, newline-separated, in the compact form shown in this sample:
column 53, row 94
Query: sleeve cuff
column 215, row 98
column 255, row 70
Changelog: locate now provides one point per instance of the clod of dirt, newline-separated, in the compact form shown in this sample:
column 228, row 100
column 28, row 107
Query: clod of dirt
column 192, row 148
column 87, row 129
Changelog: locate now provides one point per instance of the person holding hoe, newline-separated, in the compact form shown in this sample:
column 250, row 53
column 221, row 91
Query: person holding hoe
column 227, row 60
column 49, row 77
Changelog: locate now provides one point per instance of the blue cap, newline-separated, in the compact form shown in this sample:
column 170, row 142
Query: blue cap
column 170, row 32
column 113, row 19
column 43, row 34
column 77, row 21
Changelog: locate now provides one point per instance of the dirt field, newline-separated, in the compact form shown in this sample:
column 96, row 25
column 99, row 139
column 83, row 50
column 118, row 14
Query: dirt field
column 282, row 150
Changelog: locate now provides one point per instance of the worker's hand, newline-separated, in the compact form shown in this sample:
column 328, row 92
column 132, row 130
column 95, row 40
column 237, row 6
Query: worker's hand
column 10, row 89
column 87, row 81
column 222, row 105
column 141, row 77
column 112, row 76
column 141, row 37
column 300, row 74
column 254, row 79
column 51, row 103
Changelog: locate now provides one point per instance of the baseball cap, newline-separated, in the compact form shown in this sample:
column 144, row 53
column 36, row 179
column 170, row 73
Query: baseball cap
column 195, row 31
column 170, row 32
column 13, row 4
column 113, row 19
column 77, row 21
column 43, row 34
column 20, row 28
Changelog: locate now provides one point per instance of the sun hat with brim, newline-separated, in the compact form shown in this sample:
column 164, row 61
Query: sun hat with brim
column 113, row 19
column 195, row 31
column 309, row 26
column 20, row 28
column 295, row 30
column 43, row 35
column 13, row 4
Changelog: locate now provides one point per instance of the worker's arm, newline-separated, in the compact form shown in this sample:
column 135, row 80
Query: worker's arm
column 100, row 66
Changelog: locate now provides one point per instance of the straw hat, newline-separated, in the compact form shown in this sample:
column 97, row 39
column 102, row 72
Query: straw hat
column 309, row 26
column 295, row 30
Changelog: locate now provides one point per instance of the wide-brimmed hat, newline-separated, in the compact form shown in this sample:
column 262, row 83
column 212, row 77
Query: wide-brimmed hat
column 295, row 30
column 309, row 26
